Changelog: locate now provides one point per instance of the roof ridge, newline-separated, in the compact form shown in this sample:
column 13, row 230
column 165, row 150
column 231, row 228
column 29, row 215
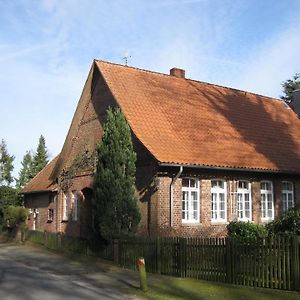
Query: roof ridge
column 189, row 79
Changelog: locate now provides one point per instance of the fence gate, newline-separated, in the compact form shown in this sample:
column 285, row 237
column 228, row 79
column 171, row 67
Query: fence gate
column 296, row 262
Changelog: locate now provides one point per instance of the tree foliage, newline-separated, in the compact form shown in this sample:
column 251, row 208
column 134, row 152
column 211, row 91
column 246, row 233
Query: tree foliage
column 115, row 206
column 26, row 172
column 6, row 165
column 288, row 223
column 40, row 158
column 15, row 216
column 8, row 196
column 289, row 86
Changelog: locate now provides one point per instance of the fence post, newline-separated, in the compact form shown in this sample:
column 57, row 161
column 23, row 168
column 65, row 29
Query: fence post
column 228, row 250
column 182, row 255
column 158, row 254
column 116, row 250
column 296, row 262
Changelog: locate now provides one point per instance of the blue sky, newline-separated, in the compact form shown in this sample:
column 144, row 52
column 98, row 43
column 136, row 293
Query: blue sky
column 47, row 47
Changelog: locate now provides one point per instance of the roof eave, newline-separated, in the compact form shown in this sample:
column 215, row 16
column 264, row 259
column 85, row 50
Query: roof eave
column 217, row 168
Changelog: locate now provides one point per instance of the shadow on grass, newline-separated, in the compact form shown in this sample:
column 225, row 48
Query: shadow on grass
column 178, row 288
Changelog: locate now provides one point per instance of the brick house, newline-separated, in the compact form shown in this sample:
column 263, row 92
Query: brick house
column 206, row 155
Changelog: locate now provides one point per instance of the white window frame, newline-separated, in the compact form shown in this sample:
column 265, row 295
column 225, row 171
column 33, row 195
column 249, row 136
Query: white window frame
column 75, row 201
column 190, row 208
column 241, row 192
column 285, row 203
column 65, row 208
column 49, row 217
column 218, row 190
column 263, row 205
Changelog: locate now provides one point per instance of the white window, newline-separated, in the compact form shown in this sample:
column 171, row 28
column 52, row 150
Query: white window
column 267, row 201
column 75, row 206
column 218, row 201
column 190, row 200
column 66, row 204
column 244, row 205
column 50, row 215
column 287, row 195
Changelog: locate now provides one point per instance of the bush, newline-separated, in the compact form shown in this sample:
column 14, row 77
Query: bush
column 288, row 223
column 246, row 230
column 15, row 216
column 8, row 196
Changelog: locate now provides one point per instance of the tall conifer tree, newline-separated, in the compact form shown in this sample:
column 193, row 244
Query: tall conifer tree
column 26, row 172
column 6, row 165
column 40, row 158
column 115, row 206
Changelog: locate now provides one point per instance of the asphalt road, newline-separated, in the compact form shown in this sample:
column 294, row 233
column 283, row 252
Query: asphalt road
column 31, row 273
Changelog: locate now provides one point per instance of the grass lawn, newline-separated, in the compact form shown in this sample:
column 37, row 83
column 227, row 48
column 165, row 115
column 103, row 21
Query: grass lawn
column 183, row 288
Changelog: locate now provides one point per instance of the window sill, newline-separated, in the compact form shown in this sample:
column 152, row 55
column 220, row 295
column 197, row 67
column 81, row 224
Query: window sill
column 266, row 220
column 218, row 222
column 190, row 223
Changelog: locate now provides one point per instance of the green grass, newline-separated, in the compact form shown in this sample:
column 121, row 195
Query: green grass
column 164, row 287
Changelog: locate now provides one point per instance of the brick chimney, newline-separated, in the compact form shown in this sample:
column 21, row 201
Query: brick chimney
column 296, row 102
column 177, row 73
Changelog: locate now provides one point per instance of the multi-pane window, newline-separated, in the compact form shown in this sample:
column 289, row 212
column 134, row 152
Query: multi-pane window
column 75, row 206
column 50, row 215
column 218, row 201
column 287, row 195
column 66, row 204
column 190, row 200
column 267, row 201
column 244, row 201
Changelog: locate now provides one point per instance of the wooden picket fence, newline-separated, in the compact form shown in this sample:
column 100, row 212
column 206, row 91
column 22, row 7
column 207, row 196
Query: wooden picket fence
column 271, row 262
column 68, row 244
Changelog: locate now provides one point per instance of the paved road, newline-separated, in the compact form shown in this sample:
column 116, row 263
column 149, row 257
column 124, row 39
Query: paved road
column 29, row 273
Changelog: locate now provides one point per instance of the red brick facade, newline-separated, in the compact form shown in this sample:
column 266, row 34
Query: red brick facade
column 153, row 193
column 164, row 139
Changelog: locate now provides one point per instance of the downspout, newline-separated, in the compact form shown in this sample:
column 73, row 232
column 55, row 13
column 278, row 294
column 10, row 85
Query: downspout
column 172, row 196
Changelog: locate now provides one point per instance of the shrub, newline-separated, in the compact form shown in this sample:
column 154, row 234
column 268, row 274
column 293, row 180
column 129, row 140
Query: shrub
column 288, row 223
column 246, row 230
column 15, row 216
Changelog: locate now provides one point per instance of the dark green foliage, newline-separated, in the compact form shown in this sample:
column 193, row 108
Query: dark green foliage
column 246, row 230
column 8, row 196
column 40, row 158
column 288, row 223
column 26, row 172
column 6, row 164
column 289, row 86
column 15, row 216
column 84, row 161
column 115, row 206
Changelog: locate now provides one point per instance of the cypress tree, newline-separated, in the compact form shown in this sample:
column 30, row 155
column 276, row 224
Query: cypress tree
column 115, row 206
column 40, row 159
column 25, row 173
column 6, row 165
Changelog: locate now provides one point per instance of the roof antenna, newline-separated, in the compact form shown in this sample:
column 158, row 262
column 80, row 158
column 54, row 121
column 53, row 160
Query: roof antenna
column 126, row 58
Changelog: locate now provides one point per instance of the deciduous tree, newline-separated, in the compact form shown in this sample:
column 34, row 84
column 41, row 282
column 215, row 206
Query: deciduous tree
column 289, row 86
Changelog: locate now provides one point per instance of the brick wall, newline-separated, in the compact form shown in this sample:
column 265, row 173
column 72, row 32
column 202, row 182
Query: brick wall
column 39, row 204
column 206, row 227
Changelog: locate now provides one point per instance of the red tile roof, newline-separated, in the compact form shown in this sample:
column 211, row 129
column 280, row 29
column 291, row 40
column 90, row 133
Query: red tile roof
column 41, row 182
column 190, row 122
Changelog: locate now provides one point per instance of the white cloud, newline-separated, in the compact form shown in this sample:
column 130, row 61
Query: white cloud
column 276, row 60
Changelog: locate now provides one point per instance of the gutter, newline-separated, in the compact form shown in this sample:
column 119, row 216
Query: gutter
column 161, row 164
column 172, row 195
